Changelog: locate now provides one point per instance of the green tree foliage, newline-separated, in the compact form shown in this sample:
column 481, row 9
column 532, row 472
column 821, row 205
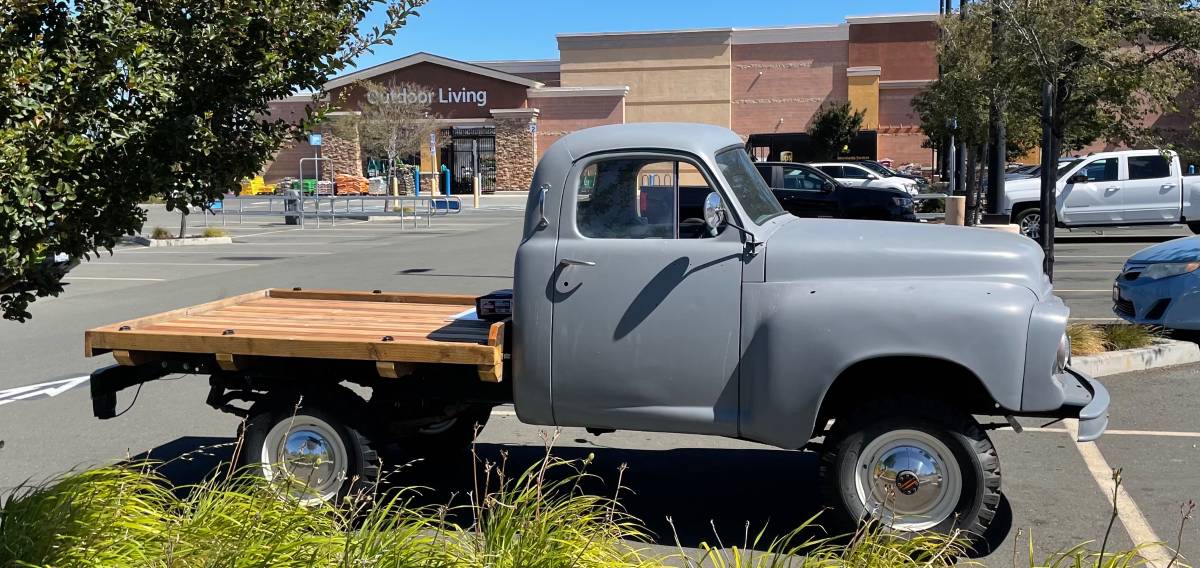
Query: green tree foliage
column 1114, row 62
column 833, row 128
column 105, row 103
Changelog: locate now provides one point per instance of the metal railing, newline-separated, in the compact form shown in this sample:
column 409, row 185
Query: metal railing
column 313, row 208
column 920, row 197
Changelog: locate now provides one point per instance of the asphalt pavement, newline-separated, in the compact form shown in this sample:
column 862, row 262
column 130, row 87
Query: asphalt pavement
column 1055, row 490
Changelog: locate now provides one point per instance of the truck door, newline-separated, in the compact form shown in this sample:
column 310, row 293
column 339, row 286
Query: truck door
column 1093, row 194
column 1151, row 189
column 646, row 302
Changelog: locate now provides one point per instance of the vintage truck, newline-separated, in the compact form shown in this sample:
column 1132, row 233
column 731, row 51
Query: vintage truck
column 874, row 343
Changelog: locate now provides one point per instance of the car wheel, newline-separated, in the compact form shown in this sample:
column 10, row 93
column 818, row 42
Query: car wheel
column 310, row 450
column 1030, row 222
column 448, row 437
column 1194, row 227
column 923, row 469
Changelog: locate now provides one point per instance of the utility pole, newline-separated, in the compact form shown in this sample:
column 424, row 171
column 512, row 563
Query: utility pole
column 1049, row 178
column 998, row 153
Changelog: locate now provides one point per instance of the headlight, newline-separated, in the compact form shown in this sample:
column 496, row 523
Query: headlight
column 902, row 201
column 1166, row 269
column 1064, row 354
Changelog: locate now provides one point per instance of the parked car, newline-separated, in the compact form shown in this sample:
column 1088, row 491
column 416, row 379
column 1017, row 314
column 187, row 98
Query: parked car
column 887, row 171
column 805, row 191
column 1130, row 187
column 1158, row 285
column 854, row 175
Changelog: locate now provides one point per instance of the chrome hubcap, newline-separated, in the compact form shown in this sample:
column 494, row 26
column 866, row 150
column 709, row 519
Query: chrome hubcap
column 308, row 454
column 1031, row 225
column 908, row 480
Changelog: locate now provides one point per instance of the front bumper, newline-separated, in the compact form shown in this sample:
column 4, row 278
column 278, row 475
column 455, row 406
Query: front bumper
column 1087, row 400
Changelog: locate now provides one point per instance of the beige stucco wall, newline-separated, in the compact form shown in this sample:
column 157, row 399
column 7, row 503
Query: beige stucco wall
column 680, row 76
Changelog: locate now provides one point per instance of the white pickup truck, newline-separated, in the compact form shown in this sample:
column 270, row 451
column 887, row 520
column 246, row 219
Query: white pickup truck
column 1129, row 187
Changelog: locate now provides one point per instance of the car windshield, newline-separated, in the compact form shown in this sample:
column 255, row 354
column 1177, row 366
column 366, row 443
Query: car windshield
column 1064, row 167
column 877, row 168
column 747, row 186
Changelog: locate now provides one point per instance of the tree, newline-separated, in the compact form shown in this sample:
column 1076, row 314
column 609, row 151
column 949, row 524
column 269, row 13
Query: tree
column 395, row 120
column 833, row 127
column 105, row 103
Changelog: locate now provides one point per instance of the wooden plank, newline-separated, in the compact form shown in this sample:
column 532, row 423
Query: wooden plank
column 316, row 347
column 403, row 325
column 231, row 362
column 494, row 373
column 339, row 317
column 393, row 370
column 361, row 296
column 89, row 350
column 324, row 331
column 134, row 358
column 355, row 307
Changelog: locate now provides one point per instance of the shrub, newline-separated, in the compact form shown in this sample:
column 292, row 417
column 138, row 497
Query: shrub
column 1123, row 336
column 213, row 232
column 1086, row 339
column 161, row 233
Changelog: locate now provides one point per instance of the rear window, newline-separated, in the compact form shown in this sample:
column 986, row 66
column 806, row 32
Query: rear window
column 1149, row 167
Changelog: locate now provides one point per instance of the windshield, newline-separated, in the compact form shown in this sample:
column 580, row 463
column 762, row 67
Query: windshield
column 747, row 186
column 877, row 168
column 1064, row 167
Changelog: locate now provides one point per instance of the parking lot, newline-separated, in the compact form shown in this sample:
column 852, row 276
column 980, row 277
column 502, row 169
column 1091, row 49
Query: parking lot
column 1057, row 491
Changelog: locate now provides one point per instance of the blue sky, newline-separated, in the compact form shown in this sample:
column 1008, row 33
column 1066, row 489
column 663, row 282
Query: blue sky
column 504, row 29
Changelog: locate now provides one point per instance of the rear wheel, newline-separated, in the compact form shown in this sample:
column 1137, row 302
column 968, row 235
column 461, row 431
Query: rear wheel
column 310, row 449
column 447, row 437
column 923, row 469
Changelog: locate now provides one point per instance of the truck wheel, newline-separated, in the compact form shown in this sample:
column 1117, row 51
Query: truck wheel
column 1030, row 222
column 929, row 469
column 448, row 437
column 311, row 446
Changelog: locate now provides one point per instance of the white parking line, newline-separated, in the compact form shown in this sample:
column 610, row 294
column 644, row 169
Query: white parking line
column 106, row 263
column 266, row 233
column 1131, row 516
column 1109, row 270
column 238, row 250
column 48, row 389
column 1106, row 291
column 71, row 278
column 1058, row 256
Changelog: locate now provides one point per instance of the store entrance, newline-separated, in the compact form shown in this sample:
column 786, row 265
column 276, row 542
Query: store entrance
column 471, row 153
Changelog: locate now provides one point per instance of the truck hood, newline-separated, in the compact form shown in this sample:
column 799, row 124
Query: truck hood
column 819, row 249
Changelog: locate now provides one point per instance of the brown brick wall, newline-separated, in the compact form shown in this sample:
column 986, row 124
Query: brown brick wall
column 904, row 148
column 904, row 51
column 785, row 80
column 563, row 115
column 515, row 154
column 895, row 107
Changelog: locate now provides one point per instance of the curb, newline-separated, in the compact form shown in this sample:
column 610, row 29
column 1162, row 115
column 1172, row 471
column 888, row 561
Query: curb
column 1165, row 354
column 194, row 241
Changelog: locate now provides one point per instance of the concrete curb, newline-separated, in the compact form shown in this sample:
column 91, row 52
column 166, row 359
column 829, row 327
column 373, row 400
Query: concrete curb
column 1166, row 353
column 181, row 242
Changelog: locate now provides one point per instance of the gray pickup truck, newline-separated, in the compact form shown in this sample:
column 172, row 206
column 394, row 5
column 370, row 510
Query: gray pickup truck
column 876, row 344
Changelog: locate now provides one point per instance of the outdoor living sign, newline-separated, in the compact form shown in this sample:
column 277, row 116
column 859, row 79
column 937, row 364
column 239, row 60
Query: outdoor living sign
column 441, row 95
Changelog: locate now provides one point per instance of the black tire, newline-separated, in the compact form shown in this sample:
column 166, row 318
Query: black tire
column 1025, row 217
column 975, row 456
column 1194, row 227
column 446, row 439
column 330, row 416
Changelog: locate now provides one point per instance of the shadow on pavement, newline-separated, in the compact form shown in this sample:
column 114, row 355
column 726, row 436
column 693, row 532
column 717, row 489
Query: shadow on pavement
column 710, row 494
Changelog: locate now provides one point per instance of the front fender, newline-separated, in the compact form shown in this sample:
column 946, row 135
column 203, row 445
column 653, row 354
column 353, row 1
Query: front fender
column 798, row 337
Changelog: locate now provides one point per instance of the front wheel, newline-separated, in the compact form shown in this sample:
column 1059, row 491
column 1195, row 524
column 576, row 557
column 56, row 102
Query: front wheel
column 926, row 469
column 1030, row 222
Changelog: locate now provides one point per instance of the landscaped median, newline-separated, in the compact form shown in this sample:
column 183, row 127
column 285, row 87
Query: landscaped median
column 130, row 516
column 1100, row 350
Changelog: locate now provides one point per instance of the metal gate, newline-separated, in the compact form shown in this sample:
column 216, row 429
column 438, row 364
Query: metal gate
column 474, row 154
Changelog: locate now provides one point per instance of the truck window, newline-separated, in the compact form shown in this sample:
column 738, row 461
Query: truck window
column 749, row 188
column 1149, row 167
column 633, row 198
column 1101, row 170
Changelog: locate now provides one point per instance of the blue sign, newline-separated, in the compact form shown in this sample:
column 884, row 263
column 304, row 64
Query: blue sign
column 314, row 139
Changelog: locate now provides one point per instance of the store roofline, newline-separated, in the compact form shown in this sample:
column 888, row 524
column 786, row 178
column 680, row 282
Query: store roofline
column 424, row 57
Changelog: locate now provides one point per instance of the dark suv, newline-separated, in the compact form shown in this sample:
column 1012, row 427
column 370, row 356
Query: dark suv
column 805, row 191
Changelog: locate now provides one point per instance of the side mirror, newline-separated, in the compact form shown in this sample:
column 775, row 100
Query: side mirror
column 1078, row 178
column 828, row 186
column 714, row 213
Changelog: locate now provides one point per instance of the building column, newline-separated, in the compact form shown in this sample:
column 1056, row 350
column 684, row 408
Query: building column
column 863, row 87
column 516, row 147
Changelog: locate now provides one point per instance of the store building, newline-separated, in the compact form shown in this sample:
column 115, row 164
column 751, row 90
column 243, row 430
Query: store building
column 495, row 118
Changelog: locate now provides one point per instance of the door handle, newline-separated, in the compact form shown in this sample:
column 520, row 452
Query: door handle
column 1168, row 186
column 1111, row 189
column 573, row 262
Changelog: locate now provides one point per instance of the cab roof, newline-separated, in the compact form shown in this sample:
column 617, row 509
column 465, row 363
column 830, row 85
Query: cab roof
column 700, row 139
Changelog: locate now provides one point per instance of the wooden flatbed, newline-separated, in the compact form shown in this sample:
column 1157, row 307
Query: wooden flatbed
column 395, row 330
